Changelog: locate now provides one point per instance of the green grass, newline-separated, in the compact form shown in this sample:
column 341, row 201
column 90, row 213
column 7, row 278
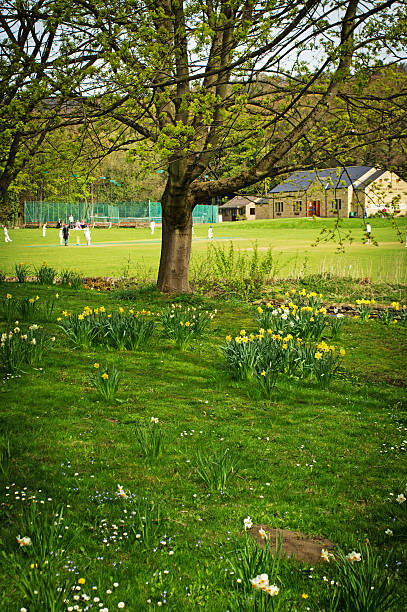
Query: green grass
column 320, row 462
column 290, row 241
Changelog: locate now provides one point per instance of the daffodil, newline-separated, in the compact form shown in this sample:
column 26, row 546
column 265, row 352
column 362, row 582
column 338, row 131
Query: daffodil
column 354, row 556
column 247, row 523
column 96, row 365
column 105, row 376
column 318, row 355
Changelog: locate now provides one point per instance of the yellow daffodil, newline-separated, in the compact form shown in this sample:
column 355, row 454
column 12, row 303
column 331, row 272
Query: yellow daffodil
column 242, row 332
column 96, row 365
column 105, row 376
column 81, row 581
column 264, row 373
column 228, row 338
column 260, row 310
column 342, row 352
column 318, row 355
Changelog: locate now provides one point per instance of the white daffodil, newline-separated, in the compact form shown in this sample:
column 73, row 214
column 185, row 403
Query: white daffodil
column 247, row 522
column 354, row 556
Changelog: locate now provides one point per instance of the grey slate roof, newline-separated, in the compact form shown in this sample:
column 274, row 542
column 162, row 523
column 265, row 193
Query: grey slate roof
column 239, row 201
column 329, row 178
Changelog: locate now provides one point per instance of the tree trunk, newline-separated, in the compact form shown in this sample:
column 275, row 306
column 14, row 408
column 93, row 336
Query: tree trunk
column 173, row 274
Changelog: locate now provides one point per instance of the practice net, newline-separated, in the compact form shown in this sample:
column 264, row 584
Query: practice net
column 105, row 213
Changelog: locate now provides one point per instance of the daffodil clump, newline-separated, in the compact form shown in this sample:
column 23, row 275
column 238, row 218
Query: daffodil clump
column 262, row 356
column 45, row 274
column 326, row 363
column 394, row 314
column 24, row 308
column 19, row 348
column 304, row 321
column 150, row 438
column 183, row 325
column 304, row 298
column 122, row 330
column 22, row 270
column 106, row 381
column 71, row 278
column 365, row 308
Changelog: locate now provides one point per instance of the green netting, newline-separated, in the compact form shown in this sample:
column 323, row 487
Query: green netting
column 41, row 212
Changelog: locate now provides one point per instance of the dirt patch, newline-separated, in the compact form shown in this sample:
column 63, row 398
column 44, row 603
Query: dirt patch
column 296, row 545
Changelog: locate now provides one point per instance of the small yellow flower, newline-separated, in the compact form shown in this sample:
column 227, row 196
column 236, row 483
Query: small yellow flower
column 80, row 317
column 121, row 309
column 260, row 310
column 81, row 581
column 285, row 347
column 264, row 373
column 318, row 355
column 37, row 297
column 105, row 376
column 187, row 323
column 57, row 295
column 228, row 338
column 96, row 365
column 31, row 300
column 304, row 596
column 9, row 296
column 242, row 332
column 342, row 352
column 59, row 319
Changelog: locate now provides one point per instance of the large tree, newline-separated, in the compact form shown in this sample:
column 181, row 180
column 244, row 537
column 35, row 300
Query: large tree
column 197, row 79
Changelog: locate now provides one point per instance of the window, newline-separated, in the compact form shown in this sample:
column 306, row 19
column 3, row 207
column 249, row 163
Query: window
column 297, row 206
column 279, row 207
column 336, row 204
column 252, row 211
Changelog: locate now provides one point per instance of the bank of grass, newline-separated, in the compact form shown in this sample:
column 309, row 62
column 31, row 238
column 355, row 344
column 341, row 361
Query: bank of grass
column 325, row 463
column 134, row 252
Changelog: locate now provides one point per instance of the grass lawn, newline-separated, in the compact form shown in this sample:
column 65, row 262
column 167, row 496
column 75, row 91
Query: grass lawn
column 325, row 462
column 134, row 252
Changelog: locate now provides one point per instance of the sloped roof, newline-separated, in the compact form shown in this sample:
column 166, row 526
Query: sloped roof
column 329, row 178
column 239, row 201
column 364, row 182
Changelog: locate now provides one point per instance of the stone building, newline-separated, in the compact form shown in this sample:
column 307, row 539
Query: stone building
column 350, row 191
